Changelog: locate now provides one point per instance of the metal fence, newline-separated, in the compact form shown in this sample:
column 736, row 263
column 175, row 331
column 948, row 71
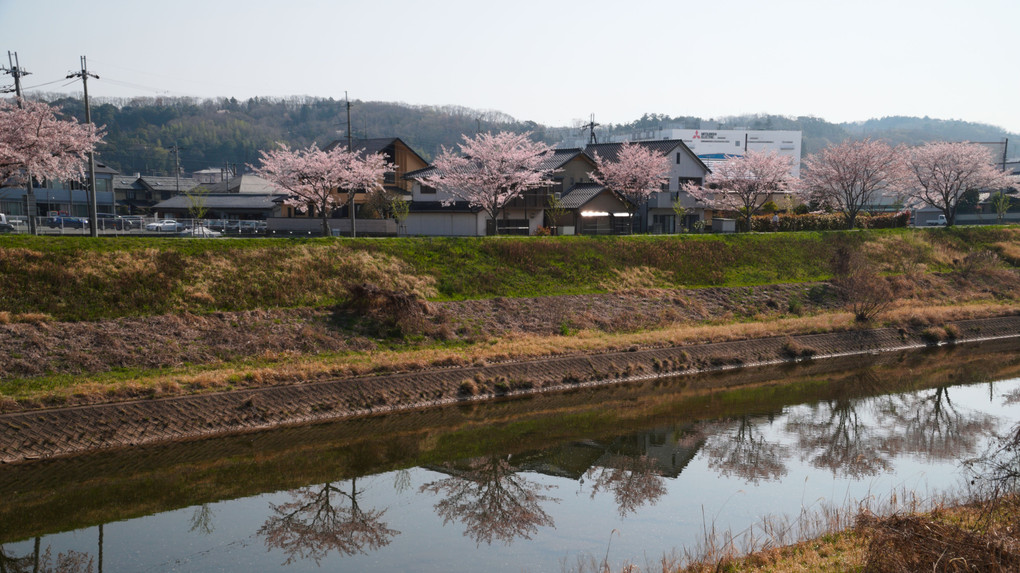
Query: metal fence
column 136, row 225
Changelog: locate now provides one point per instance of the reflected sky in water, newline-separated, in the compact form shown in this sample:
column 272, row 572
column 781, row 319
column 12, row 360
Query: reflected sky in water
column 658, row 489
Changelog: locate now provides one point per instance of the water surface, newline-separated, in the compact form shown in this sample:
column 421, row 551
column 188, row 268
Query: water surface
column 523, row 485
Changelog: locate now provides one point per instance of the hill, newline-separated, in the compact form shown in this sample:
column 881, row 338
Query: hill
column 141, row 132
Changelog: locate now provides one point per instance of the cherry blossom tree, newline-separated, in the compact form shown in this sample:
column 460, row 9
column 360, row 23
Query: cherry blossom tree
column 490, row 497
column 634, row 481
column 34, row 141
column 941, row 172
column 849, row 176
column 490, row 170
column 317, row 178
column 636, row 173
column 744, row 183
column 319, row 520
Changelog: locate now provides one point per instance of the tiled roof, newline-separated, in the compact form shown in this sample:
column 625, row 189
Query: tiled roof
column 167, row 183
column 421, row 173
column 580, row 194
column 131, row 183
column 222, row 201
column 372, row 145
column 559, row 157
column 244, row 184
column 609, row 151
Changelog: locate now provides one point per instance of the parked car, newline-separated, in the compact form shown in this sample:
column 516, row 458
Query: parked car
column 65, row 222
column 5, row 226
column 133, row 221
column 165, row 226
column 110, row 221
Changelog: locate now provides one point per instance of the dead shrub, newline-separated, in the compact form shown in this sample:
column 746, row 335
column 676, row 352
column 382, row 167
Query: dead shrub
column 906, row 544
column 467, row 388
column 794, row 349
column 932, row 335
column 978, row 262
column 859, row 285
column 385, row 312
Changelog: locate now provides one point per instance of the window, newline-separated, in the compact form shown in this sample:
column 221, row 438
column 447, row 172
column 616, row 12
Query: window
column 425, row 189
column 678, row 158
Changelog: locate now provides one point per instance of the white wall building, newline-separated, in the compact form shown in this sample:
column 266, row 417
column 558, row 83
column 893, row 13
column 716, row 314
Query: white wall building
column 713, row 145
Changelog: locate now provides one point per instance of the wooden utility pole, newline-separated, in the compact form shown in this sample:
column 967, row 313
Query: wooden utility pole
column 350, row 149
column 17, row 71
column 93, row 210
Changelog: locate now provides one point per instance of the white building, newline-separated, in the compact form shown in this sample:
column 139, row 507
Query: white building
column 714, row 145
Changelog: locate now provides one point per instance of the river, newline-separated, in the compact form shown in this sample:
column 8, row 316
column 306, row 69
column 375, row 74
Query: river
column 624, row 474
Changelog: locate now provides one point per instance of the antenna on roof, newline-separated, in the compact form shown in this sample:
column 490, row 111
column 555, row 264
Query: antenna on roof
column 590, row 128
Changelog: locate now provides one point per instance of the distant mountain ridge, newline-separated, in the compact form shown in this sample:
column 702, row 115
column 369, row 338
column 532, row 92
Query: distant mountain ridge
column 141, row 132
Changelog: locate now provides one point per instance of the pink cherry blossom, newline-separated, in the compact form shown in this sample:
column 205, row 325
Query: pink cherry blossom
column 490, row 170
column 316, row 179
column 854, row 174
column 33, row 140
column 636, row 173
column 941, row 172
column 743, row 183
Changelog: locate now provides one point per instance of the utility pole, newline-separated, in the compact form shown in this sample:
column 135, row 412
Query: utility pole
column 349, row 140
column 590, row 128
column 177, row 167
column 17, row 71
column 350, row 149
column 93, row 215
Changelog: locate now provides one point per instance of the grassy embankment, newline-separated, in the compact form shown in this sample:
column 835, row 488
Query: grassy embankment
column 937, row 276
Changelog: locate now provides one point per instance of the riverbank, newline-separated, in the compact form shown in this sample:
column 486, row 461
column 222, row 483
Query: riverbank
column 54, row 432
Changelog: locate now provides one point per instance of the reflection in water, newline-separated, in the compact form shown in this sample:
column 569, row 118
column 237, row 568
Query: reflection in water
column 322, row 519
column 42, row 561
column 492, row 500
column 632, row 445
column 201, row 520
column 743, row 451
column 634, row 481
column 933, row 426
column 831, row 436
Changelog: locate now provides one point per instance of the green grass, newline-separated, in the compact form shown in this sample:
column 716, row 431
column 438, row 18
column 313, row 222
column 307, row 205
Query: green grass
column 81, row 278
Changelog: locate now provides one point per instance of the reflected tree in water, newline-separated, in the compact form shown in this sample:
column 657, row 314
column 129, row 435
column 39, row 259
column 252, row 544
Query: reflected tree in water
column 492, row 500
column 42, row 561
column 323, row 519
column 832, row 436
column 933, row 426
column 634, row 481
column 201, row 520
column 996, row 473
column 740, row 449
column 402, row 480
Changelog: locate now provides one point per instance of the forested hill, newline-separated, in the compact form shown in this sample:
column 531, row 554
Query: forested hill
column 141, row 132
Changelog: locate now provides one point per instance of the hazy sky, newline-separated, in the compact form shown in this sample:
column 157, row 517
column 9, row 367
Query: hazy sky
column 549, row 61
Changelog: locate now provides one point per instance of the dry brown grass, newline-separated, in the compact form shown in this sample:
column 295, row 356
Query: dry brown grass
column 27, row 317
column 290, row 368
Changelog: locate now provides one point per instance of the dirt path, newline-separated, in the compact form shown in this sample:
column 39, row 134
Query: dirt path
column 59, row 432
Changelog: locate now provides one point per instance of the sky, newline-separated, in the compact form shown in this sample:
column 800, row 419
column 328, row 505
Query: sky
column 550, row 61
